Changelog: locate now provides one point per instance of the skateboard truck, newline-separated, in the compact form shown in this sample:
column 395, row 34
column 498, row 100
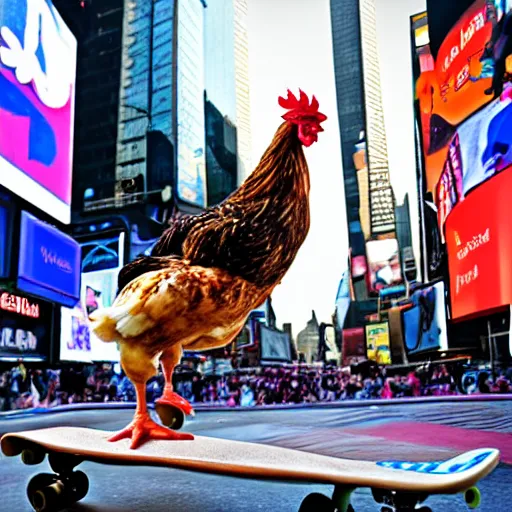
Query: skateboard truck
column 340, row 501
column 391, row 501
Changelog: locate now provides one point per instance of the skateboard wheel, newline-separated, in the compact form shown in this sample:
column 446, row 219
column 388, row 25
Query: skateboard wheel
column 38, row 482
column 47, row 498
column 80, row 485
column 32, row 456
column 170, row 416
column 316, row 502
column 473, row 497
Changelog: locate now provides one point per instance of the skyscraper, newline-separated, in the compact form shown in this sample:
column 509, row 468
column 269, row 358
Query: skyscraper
column 382, row 218
column 360, row 109
column 97, row 24
column 220, row 100
column 368, row 192
column 243, row 109
column 147, row 97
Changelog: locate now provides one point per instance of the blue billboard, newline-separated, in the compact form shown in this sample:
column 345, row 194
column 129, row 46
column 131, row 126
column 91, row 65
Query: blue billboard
column 49, row 262
column 5, row 238
column 424, row 325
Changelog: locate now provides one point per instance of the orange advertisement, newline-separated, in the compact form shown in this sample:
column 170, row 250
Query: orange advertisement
column 460, row 81
column 479, row 242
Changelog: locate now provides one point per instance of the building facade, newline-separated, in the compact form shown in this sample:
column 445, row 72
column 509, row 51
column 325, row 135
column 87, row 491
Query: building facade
column 98, row 26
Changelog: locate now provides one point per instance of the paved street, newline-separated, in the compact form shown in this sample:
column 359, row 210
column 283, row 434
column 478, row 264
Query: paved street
column 413, row 432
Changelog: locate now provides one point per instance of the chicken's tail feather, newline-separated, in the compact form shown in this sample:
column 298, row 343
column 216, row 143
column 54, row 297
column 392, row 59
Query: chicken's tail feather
column 121, row 321
column 103, row 325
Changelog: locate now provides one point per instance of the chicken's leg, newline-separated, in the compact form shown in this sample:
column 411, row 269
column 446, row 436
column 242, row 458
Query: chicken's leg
column 170, row 400
column 139, row 367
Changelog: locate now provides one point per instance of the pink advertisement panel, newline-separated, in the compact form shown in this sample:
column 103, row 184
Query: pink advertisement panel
column 37, row 89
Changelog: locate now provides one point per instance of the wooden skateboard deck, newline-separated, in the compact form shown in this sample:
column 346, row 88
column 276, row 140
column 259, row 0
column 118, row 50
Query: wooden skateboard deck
column 253, row 460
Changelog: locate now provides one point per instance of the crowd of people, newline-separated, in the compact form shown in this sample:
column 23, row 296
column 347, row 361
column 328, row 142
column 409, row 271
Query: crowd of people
column 23, row 388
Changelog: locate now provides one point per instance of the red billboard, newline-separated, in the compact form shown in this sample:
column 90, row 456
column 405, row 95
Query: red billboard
column 479, row 242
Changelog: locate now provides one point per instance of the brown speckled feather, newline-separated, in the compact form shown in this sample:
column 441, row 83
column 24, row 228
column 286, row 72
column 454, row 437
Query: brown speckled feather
column 255, row 233
column 209, row 271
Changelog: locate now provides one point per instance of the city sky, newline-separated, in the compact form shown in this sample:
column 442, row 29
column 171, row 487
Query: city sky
column 290, row 45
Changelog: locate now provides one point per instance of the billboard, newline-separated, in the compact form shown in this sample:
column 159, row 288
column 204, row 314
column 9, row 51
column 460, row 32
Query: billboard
column 191, row 177
column 480, row 148
column 49, row 262
column 424, row 325
column 275, row 345
column 479, row 242
column 102, row 259
column 75, row 336
column 37, row 98
column 384, row 264
column 6, row 221
column 471, row 67
column 378, row 346
column 25, row 327
column 353, row 348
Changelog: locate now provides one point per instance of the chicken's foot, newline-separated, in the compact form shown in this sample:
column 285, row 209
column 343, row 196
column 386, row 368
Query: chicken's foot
column 143, row 428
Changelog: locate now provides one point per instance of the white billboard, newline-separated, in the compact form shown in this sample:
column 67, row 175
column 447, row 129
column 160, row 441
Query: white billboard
column 99, row 289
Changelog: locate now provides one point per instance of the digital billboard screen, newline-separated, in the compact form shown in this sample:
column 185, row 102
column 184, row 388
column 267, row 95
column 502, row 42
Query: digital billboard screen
column 470, row 70
column 102, row 259
column 384, row 264
column 424, row 324
column 378, row 345
column 25, row 327
column 479, row 242
column 275, row 345
column 37, row 98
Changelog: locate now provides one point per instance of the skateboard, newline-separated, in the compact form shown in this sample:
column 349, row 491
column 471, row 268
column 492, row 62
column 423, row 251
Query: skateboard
column 396, row 485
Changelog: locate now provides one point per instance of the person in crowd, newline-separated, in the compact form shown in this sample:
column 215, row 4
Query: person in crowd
column 22, row 388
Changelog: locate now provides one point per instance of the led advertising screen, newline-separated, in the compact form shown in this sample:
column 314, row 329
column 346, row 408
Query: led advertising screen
column 37, row 96
column 480, row 148
column 470, row 70
column 479, row 242
column 191, row 179
column 275, row 345
column 49, row 262
column 384, row 264
column 25, row 327
column 425, row 323
column 102, row 259
column 378, row 346
column 6, row 217
column 353, row 348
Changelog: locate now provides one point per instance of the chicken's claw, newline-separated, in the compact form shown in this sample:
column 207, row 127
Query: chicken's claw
column 143, row 429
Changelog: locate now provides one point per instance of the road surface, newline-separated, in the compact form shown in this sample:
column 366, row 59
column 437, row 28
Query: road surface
column 411, row 431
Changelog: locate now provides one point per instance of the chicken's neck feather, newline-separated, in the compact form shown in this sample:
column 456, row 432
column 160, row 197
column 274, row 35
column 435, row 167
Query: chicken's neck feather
column 282, row 170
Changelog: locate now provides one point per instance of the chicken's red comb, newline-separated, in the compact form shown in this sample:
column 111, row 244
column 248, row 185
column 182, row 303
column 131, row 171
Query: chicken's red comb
column 300, row 108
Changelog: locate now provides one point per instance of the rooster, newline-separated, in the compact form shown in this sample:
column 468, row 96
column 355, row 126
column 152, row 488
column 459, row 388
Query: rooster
column 209, row 271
